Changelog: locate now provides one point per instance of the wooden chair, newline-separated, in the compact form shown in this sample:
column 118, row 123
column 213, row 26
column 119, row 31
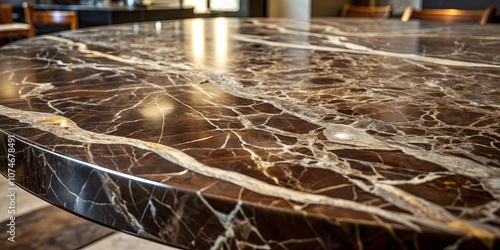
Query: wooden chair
column 49, row 17
column 8, row 28
column 451, row 15
column 366, row 11
column 5, row 13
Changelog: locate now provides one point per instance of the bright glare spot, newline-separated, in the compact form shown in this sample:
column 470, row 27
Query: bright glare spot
column 343, row 136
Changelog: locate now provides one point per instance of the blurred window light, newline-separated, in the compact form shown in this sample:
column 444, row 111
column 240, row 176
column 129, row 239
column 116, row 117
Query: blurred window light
column 206, row 6
column 225, row 5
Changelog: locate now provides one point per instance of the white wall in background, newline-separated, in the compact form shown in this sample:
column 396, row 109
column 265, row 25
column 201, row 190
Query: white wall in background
column 225, row 5
column 200, row 6
column 299, row 9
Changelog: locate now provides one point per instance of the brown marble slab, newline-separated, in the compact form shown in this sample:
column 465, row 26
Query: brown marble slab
column 264, row 133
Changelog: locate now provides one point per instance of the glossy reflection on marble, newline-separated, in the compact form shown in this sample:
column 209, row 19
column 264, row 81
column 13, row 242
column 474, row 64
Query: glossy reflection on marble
column 265, row 133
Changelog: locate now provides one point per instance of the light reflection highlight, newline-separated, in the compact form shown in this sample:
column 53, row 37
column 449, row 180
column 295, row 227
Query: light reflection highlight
column 158, row 27
column 221, row 43
column 198, row 40
column 158, row 110
column 136, row 28
column 343, row 136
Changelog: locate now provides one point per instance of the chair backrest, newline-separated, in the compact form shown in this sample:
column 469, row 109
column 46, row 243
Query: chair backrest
column 451, row 15
column 8, row 28
column 6, row 13
column 49, row 17
column 29, row 17
column 366, row 11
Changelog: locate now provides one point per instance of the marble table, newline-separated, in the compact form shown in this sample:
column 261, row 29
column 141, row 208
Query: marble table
column 263, row 133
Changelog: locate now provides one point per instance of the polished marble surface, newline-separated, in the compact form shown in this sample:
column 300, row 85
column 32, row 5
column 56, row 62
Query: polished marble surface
column 264, row 133
column 66, row 231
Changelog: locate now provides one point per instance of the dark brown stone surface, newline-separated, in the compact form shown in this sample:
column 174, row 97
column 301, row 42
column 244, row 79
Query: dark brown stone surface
column 264, row 133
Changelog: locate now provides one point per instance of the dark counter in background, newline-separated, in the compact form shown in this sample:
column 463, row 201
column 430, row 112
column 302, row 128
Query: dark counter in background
column 115, row 13
column 94, row 15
